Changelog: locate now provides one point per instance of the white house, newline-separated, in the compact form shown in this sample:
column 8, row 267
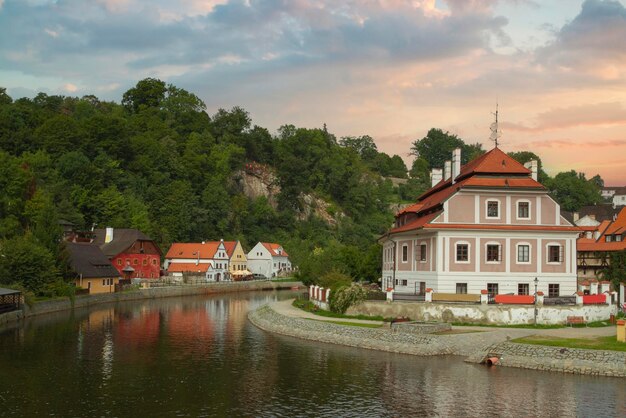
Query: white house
column 488, row 225
column 268, row 259
column 207, row 258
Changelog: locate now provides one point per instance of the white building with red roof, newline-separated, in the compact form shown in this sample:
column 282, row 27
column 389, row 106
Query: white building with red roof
column 488, row 225
column 207, row 258
column 268, row 259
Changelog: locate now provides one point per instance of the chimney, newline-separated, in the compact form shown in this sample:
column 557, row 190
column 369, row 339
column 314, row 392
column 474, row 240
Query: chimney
column 436, row 176
column 575, row 216
column 447, row 170
column 456, row 163
column 108, row 237
column 533, row 167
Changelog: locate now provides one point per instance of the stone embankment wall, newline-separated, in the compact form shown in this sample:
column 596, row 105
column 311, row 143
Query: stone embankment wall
column 483, row 314
column 372, row 338
column 420, row 327
column 474, row 346
column 44, row 307
column 566, row 360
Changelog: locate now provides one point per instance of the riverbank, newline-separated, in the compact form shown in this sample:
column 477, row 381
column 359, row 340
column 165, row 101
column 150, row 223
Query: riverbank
column 475, row 347
column 62, row 304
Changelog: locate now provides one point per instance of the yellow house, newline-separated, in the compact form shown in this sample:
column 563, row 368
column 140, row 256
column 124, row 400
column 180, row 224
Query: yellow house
column 237, row 260
column 93, row 269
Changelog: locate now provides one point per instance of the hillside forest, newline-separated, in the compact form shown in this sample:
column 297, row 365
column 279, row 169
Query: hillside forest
column 159, row 162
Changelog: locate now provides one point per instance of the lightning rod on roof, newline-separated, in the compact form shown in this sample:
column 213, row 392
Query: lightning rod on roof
column 495, row 132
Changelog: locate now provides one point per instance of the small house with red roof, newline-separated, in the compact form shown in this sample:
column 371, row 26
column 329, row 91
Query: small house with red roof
column 207, row 258
column 487, row 225
column 269, row 259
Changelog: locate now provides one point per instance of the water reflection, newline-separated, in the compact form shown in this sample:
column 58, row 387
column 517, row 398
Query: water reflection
column 201, row 357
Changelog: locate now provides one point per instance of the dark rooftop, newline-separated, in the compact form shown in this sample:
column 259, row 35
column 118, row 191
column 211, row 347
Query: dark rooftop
column 89, row 261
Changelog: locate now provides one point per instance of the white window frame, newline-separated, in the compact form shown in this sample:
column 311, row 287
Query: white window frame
column 530, row 207
column 405, row 255
column 530, row 253
column 554, row 244
column 487, row 208
column 469, row 252
column 500, row 252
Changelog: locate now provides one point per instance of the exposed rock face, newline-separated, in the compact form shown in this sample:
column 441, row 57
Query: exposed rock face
column 257, row 183
column 257, row 180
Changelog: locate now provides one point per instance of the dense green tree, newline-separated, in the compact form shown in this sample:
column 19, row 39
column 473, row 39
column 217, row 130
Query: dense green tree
column 25, row 262
column 147, row 93
column 573, row 191
column 437, row 146
column 526, row 156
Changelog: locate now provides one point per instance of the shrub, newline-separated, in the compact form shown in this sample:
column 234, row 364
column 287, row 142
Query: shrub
column 346, row 296
column 334, row 280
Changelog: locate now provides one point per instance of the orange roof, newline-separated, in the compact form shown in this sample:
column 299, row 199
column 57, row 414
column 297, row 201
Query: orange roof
column 230, row 247
column 618, row 226
column 521, row 182
column 493, row 162
column 416, row 224
column 193, row 249
column 188, row 267
column 415, row 207
column 273, row 249
column 600, row 245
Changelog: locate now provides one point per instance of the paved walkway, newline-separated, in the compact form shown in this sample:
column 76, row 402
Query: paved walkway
column 285, row 307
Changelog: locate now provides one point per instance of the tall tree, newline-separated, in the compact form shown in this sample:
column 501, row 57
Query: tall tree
column 437, row 146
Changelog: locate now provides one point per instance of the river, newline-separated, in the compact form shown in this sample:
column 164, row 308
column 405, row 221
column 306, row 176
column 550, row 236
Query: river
column 199, row 356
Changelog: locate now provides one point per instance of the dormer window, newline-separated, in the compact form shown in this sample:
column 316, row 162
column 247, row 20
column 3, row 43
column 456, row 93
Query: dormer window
column 609, row 238
column 618, row 238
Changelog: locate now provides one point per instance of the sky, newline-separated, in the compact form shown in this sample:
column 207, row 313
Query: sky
column 390, row 69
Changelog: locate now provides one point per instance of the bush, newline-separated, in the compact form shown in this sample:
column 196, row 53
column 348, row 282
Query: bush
column 344, row 297
column 334, row 280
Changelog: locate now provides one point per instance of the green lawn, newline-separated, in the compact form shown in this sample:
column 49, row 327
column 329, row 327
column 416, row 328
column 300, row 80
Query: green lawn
column 308, row 306
column 600, row 343
column 530, row 326
column 351, row 324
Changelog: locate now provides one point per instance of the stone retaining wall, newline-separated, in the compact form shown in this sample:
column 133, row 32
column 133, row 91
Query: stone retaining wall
column 566, row 360
column 420, row 327
column 474, row 346
column 482, row 314
column 372, row 338
column 48, row 306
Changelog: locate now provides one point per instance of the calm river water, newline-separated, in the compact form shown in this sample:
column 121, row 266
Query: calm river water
column 199, row 356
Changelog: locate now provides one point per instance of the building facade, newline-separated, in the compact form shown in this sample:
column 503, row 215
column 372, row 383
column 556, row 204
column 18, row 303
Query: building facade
column 269, row 259
column 207, row 258
column 130, row 247
column 92, row 268
column 488, row 225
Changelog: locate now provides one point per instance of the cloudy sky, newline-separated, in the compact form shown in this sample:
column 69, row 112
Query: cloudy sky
column 391, row 69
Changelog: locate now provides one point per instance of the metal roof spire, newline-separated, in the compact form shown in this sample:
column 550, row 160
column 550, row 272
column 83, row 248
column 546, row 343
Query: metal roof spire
column 495, row 132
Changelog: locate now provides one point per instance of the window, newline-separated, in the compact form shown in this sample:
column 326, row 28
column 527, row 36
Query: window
column 135, row 261
column 154, row 261
column 609, row 238
column 492, row 288
column 405, row 282
column 462, row 252
column 461, row 288
column 523, row 288
column 423, row 252
column 554, row 253
column 405, row 253
column 493, row 209
column 493, row 252
column 523, row 253
column 618, row 238
column 553, row 290
column 119, row 261
column 523, row 210
column 144, row 262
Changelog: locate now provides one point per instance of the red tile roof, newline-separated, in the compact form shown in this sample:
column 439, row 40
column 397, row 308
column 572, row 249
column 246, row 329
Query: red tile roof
column 415, row 224
column 503, row 227
column 191, row 249
column 493, row 162
column 188, row 267
column 414, row 208
column 618, row 226
column 273, row 249
column 230, row 247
